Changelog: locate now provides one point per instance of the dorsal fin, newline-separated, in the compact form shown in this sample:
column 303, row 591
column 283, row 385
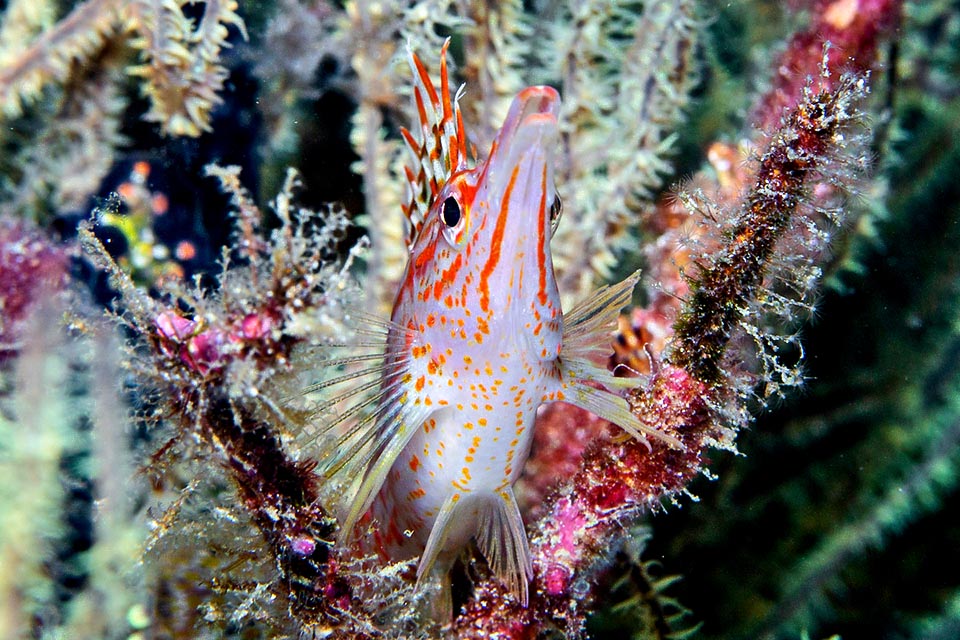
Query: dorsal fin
column 440, row 150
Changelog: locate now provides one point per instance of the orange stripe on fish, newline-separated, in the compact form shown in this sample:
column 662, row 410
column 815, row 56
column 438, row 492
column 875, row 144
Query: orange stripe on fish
column 496, row 242
column 542, row 241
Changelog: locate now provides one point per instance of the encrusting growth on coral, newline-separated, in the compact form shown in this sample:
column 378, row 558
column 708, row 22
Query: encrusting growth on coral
column 724, row 286
column 226, row 374
column 219, row 363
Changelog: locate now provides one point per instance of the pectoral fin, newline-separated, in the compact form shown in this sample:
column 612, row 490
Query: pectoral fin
column 613, row 408
column 388, row 437
column 587, row 336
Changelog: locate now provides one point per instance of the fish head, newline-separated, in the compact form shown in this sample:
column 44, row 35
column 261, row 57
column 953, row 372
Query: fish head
column 481, row 260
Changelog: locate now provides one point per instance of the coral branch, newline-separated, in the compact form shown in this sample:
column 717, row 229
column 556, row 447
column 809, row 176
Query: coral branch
column 48, row 59
column 218, row 370
column 627, row 80
column 616, row 482
column 182, row 67
column 854, row 29
column 724, row 287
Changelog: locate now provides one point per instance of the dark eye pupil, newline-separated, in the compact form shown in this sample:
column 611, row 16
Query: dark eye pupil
column 451, row 212
column 555, row 210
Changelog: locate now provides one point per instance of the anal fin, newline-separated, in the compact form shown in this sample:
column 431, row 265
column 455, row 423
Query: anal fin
column 442, row 528
column 498, row 527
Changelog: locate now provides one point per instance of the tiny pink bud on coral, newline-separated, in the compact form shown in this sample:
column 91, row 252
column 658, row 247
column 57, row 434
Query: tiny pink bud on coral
column 303, row 545
column 556, row 579
column 254, row 326
column 173, row 326
column 205, row 346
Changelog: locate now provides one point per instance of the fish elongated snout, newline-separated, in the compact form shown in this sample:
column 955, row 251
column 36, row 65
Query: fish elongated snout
column 527, row 141
column 533, row 101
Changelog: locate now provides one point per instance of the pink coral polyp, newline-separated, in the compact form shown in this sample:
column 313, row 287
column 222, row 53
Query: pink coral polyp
column 30, row 266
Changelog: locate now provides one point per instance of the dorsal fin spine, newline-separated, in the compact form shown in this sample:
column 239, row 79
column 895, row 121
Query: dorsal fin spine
column 442, row 147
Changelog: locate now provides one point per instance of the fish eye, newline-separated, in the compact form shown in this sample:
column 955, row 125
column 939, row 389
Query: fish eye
column 556, row 209
column 450, row 213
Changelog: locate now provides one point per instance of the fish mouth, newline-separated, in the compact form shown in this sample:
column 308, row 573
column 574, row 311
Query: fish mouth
column 532, row 101
column 533, row 114
column 527, row 141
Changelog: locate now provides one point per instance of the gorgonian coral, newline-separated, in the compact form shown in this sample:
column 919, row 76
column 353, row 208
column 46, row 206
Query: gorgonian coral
column 241, row 511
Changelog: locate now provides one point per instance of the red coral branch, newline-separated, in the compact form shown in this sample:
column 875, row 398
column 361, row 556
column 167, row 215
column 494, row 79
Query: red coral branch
column 854, row 29
column 30, row 267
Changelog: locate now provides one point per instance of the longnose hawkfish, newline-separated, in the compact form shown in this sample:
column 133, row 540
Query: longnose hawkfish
column 476, row 343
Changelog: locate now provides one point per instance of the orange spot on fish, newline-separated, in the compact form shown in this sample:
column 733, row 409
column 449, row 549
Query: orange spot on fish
column 450, row 273
column 425, row 256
